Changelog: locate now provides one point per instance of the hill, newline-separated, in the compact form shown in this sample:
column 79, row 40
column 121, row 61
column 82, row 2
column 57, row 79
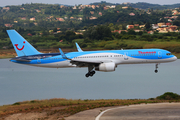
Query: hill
column 48, row 16
column 141, row 5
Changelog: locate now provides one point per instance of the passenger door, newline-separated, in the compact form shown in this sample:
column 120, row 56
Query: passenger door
column 39, row 60
column 125, row 56
column 159, row 54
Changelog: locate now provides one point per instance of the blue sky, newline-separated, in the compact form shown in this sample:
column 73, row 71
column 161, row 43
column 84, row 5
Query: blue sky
column 77, row 2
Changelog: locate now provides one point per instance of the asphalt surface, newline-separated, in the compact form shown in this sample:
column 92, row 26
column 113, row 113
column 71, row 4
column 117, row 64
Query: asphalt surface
column 159, row 111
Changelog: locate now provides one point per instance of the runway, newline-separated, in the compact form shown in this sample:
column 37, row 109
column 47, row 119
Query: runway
column 157, row 111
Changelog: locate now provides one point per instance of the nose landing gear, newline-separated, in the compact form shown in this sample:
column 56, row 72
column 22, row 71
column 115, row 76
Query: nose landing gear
column 156, row 68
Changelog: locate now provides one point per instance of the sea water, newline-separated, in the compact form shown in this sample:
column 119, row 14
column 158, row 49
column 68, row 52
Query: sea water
column 131, row 81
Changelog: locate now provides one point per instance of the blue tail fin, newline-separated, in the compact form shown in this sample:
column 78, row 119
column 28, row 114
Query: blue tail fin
column 21, row 46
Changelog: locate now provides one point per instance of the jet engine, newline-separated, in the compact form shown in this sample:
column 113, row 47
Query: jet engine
column 106, row 67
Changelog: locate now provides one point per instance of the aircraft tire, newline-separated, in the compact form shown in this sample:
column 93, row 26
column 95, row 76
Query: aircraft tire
column 93, row 72
column 87, row 75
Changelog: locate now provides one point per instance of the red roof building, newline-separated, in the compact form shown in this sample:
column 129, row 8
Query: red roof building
column 130, row 26
column 168, row 24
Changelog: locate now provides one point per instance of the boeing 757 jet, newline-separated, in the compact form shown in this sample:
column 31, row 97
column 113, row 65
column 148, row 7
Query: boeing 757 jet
column 106, row 60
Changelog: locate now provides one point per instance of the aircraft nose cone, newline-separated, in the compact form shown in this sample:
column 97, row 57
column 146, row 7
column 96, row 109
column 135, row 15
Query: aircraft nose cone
column 174, row 58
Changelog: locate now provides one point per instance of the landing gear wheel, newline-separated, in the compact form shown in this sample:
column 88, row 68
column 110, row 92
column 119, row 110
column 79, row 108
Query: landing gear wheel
column 87, row 75
column 91, row 73
column 156, row 68
column 156, row 71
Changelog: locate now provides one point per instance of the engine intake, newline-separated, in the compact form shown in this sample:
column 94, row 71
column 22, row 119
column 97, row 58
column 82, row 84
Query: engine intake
column 106, row 67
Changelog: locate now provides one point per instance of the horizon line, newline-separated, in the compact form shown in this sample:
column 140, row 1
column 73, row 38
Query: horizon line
column 89, row 3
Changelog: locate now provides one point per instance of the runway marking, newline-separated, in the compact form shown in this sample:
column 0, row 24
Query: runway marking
column 97, row 118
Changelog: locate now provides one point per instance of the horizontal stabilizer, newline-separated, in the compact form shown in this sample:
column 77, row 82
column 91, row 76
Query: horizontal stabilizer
column 62, row 54
column 21, row 60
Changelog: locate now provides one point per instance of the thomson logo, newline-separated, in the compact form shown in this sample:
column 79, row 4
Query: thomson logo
column 140, row 52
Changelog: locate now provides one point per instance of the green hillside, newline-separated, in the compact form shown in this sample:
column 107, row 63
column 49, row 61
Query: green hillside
column 96, row 26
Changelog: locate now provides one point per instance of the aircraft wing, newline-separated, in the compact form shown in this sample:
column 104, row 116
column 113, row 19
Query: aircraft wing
column 88, row 61
column 83, row 63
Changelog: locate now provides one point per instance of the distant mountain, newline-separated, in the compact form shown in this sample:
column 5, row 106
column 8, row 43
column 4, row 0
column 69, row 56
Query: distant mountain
column 141, row 5
column 103, row 2
column 144, row 5
column 63, row 4
column 173, row 6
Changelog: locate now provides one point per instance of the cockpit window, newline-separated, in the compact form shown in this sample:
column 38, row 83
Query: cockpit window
column 168, row 53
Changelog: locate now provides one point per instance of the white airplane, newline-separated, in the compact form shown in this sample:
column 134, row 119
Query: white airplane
column 105, row 61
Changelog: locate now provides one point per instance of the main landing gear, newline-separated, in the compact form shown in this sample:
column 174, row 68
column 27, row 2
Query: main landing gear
column 91, row 71
column 156, row 68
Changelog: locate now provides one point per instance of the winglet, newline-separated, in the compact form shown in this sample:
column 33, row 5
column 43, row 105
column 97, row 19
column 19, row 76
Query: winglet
column 62, row 54
column 78, row 48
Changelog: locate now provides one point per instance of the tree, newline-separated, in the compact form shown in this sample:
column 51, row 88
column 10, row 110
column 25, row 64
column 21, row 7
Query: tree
column 176, row 22
column 148, row 26
column 178, row 18
column 70, row 35
column 123, row 27
column 71, row 24
column 169, row 96
column 99, row 32
column 131, row 32
column 55, row 30
column 139, row 33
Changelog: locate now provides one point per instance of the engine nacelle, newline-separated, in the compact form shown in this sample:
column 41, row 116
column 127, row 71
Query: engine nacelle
column 106, row 67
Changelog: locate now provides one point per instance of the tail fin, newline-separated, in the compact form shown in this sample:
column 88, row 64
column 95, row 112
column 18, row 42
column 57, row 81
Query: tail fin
column 21, row 46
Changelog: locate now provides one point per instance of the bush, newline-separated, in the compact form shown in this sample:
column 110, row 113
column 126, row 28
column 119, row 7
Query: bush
column 175, row 49
column 132, row 37
column 134, row 47
column 111, row 46
column 78, row 41
column 169, row 96
column 101, row 44
column 160, row 37
column 125, row 37
column 60, row 45
column 17, row 103
column 118, row 36
column 146, row 38
column 107, row 38
column 178, row 38
column 122, row 45
column 33, row 101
